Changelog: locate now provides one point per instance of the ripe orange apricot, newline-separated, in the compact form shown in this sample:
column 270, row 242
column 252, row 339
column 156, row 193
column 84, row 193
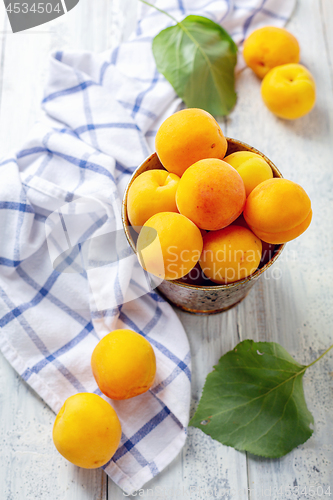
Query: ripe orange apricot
column 269, row 47
column 211, row 193
column 87, row 430
column 169, row 245
column 123, row 364
column 188, row 136
column 252, row 168
column 268, row 249
column 278, row 210
column 151, row 192
column 289, row 91
column 230, row 254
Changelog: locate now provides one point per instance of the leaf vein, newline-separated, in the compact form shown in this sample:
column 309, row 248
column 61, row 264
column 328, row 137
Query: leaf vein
column 259, row 397
column 281, row 417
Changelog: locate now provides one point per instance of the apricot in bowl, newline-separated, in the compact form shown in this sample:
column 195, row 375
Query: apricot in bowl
column 252, row 168
column 188, row 136
column 230, row 254
column 169, row 245
column 152, row 192
column 211, row 193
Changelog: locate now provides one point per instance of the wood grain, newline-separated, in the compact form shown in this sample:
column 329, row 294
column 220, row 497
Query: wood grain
column 30, row 467
column 292, row 305
column 326, row 13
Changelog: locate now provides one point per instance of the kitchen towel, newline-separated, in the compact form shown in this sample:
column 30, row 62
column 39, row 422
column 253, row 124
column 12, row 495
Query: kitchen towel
column 67, row 277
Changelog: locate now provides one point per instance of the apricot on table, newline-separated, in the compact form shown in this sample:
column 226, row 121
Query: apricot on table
column 151, row 192
column 230, row 254
column 188, row 136
column 278, row 210
column 252, row 168
column 87, row 430
column 289, row 91
column 211, row 193
column 123, row 364
column 269, row 47
column 169, row 245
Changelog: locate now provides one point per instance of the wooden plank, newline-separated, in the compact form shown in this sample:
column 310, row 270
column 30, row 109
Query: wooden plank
column 292, row 305
column 326, row 12
column 30, row 467
column 25, row 56
column 85, row 27
column 26, row 63
column 126, row 11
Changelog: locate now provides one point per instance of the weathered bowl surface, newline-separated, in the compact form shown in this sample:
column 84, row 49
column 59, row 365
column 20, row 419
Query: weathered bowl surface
column 193, row 298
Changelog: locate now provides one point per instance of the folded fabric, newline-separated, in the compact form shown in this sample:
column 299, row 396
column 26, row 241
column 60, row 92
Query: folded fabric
column 64, row 281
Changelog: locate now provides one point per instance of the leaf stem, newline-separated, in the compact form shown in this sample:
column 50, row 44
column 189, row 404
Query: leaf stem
column 160, row 10
column 321, row 356
column 180, row 24
column 297, row 374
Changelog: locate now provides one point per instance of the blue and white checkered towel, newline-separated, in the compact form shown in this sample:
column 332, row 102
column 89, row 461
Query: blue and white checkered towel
column 62, row 190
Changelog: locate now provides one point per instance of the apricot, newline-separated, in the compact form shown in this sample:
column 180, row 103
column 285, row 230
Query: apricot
column 269, row 47
column 289, row 91
column 278, row 210
column 123, row 364
column 151, row 192
column 211, row 193
column 230, row 254
column 87, row 430
column 169, row 245
column 268, row 249
column 188, row 136
column 252, row 168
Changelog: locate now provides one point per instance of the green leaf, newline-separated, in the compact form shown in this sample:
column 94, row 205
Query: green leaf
column 198, row 58
column 254, row 401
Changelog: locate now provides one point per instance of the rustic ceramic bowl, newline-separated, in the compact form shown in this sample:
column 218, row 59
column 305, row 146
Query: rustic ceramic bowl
column 193, row 298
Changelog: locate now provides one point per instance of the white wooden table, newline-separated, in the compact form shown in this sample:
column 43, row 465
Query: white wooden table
column 292, row 305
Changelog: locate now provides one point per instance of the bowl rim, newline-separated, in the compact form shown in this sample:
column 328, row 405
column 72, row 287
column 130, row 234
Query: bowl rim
column 124, row 217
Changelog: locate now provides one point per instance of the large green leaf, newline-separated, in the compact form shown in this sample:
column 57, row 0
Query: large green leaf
column 254, row 401
column 198, row 58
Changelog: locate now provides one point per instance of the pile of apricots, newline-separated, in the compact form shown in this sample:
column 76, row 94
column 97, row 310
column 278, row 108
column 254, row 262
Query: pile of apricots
column 207, row 209
column 87, row 430
column 288, row 88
